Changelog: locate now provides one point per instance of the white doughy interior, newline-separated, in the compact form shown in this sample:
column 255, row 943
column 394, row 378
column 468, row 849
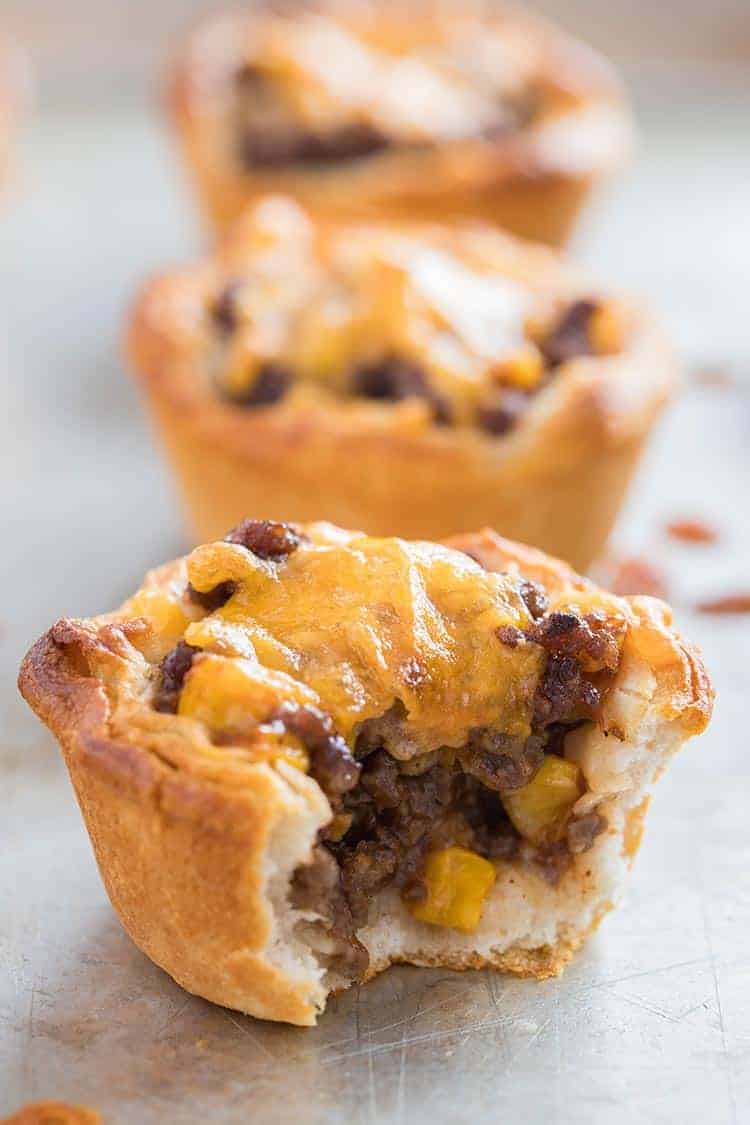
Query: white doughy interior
column 292, row 947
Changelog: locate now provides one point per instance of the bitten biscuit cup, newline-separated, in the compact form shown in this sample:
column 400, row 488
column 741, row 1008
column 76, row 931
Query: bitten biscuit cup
column 198, row 846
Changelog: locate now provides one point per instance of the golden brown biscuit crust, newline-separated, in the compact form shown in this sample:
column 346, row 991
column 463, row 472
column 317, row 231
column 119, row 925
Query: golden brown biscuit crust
column 183, row 852
column 556, row 481
column 527, row 182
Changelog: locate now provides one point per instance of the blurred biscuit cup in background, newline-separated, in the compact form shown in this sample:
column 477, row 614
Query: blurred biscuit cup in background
column 15, row 94
column 437, row 112
column 403, row 379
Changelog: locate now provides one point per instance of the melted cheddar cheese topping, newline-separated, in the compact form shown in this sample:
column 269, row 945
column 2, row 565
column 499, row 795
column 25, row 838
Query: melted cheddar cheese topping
column 453, row 79
column 413, row 644
column 357, row 627
column 466, row 308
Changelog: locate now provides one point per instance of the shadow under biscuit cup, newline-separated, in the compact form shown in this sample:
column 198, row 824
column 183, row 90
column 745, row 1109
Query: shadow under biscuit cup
column 406, row 379
column 365, row 112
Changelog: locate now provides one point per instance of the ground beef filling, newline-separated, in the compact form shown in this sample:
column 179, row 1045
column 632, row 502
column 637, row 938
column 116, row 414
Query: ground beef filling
column 261, row 147
column 397, row 378
column 387, row 822
column 264, row 139
column 396, row 818
column 269, row 386
column 571, row 335
column 331, row 762
column 500, row 418
column 389, row 814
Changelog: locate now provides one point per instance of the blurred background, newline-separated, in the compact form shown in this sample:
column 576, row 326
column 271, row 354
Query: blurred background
column 96, row 202
column 687, row 64
column 117, row 40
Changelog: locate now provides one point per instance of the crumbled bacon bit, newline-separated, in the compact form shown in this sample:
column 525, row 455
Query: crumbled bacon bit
column 266, row 538
column 727, row 604
column 692, row 531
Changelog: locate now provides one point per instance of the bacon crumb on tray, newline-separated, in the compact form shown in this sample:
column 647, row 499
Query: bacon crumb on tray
column 634, row 575
column 691, row 531
column 726, row 604
column 713, row 375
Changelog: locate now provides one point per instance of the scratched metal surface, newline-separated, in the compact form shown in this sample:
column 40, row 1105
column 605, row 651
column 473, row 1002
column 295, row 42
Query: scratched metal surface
column 652, row 1022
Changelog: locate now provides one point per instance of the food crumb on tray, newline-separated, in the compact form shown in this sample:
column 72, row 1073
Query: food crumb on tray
column 726, row 604
column 691, row 531
column 635, row 575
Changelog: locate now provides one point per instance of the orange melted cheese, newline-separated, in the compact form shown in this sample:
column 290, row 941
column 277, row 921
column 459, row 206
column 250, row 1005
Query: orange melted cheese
column 355, row 626
column 465, row 306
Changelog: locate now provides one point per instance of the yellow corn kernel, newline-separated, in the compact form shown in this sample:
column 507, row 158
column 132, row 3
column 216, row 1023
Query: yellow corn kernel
column 523, row 369
column 384, row 307
column 327, row 340
column 540, row 808
column 458, row 881
column 605, row 329
column 242, row 368
column 166, row 614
